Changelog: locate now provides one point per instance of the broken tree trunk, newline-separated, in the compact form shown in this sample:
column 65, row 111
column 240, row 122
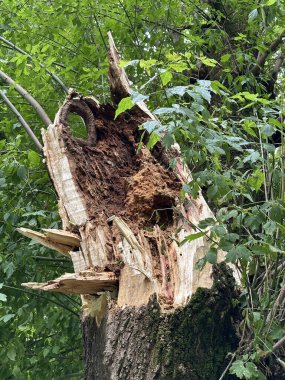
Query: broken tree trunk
column 147, row 312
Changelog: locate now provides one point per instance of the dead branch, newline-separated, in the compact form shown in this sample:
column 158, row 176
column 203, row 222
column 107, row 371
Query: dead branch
column 22, row 121
column 274, row 75
column 261, row 59
column 28, row 97
column 80, row 107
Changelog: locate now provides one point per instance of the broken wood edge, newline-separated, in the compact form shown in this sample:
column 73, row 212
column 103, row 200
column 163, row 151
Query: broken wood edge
column 77, row 105
column 49, row 241
column 120, row 87
column 118, row 79
column 60, row 171
column 128, row 234
column 95, row 306
column 85, row 282
column 63, row 237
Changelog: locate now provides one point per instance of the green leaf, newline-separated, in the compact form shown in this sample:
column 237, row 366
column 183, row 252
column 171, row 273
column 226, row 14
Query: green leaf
column 204, row 93
column 252, row 15
column 193, row 237
column 153, row 139
column 6, row 318
column 211, row 255
column 178, row 66
column 206, row 223
column 165, row 77
column 178, row 90
column 256, row 180
column 270, row 2
column 225, row 58
column 3, row 297
column 125, row 104
column 11, row 354
column 240, row 252
column 34, row 158
column 150, row 125
column 147, row 64
column 123, row 63
column 243, row 370
column 270, row 227
column 136, row 97
column 212, row 191
column 248, row 126
column 168, row 140
column 22, row 172
column 164, row 110
column 208, row 61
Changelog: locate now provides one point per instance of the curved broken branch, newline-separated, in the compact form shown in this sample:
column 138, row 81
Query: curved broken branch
column 26, row 95
column 80, row 107
column 22, row 121
column 54, row 76
column 263, row 57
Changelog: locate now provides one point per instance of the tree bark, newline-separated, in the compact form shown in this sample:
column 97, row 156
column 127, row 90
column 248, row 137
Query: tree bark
column 148, row 313
column 144, row 343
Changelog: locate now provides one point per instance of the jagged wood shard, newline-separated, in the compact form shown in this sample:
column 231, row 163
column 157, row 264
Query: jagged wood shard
column 62, row 237
column 86, row 282
column 45, row 241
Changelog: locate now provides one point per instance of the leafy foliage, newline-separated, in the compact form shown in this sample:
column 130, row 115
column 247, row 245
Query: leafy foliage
column 212, row 72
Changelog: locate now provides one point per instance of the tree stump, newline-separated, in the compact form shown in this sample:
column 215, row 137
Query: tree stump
column 147, row 312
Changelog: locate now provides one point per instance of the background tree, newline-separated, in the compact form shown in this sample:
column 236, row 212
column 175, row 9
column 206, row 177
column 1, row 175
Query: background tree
column 217, row 68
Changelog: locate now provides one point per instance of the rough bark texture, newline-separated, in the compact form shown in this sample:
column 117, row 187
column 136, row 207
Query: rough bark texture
column 144, row 343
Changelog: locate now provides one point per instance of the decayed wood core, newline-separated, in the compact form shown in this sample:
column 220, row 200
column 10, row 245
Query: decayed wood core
column 123, row 201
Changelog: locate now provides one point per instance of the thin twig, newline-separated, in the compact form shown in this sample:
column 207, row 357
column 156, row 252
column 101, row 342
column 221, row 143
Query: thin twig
column 40, row 296
column 227, row 367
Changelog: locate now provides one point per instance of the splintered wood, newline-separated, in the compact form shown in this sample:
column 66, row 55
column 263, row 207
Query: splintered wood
column 86, row 282
column 122, row 214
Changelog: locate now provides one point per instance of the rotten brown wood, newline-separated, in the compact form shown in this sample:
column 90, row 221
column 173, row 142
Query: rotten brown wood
column 124, row 203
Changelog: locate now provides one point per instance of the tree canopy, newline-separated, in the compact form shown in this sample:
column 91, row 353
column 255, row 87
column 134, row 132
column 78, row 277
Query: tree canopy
column 213, row 73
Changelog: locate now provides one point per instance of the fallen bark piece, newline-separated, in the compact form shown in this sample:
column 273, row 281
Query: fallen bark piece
column 86, row 282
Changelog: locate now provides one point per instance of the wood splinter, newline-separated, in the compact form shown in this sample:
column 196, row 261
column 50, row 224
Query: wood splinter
column 86, row 282
column 59, row 240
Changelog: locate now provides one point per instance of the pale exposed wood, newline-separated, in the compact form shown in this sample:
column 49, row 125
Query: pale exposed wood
column 94, row 244
column 44, row 240
column 133, row 253
column 73, row 208
column 87, row 282
column 119, row 82
column 62, row 237
column 78, row 260
column 147, row 260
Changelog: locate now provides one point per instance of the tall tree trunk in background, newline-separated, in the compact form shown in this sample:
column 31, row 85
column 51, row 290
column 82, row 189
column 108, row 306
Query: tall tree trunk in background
column 147, row 312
